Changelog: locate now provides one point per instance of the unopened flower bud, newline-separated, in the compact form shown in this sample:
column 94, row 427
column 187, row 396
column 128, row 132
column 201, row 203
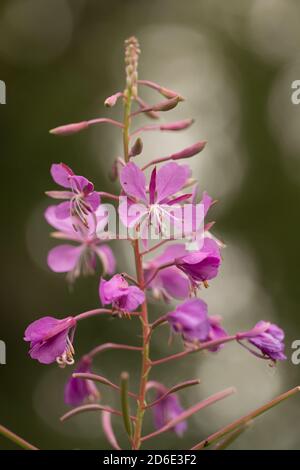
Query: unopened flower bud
column 162, row 90
column 167, row 105
column 111, row 100
column 137, row 147
column 176, row 126
column 189, row 151
column 69, row 129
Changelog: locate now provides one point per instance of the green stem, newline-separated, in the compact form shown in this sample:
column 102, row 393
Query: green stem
column 127, row 122
column 244, row 420
column 16, row 439
column 125, row 403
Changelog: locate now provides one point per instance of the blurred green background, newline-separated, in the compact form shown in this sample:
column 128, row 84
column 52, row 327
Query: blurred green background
column 234, row 62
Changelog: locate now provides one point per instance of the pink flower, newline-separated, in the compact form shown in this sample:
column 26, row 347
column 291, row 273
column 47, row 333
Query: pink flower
column 120, row 294
column 169, row 282
column 268, row 338
column 167, row 409
column 191, row 320
column 81, row 258
column 158, row 207
column 77, row 390
column 82, row 199
column 202, row 265
column 51, row 340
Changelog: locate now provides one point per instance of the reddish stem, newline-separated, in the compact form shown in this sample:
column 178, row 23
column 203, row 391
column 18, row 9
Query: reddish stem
column 101, row 311
column 206, row 345
column 102, row 380
column 92, row 407
column 108, row 346
column 190, row 411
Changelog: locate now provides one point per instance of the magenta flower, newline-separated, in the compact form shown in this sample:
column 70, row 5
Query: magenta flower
column 51, row 340
column 167, row 409
column 201, row 265
column 158, row 208
column 169, row 282
column 191, row 320
column 80, row 259
column 78, row 391
column 268, row 338
column 215, row 331
column 197, row 214
column 120, row 294
column 81, row 197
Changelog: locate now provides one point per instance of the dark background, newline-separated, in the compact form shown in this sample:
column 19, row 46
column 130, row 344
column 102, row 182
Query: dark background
column 234, row 62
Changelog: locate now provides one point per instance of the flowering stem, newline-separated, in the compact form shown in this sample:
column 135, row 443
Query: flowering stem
column 146, row 365
column 16, row 439
column 127, row 121
column 245, row 419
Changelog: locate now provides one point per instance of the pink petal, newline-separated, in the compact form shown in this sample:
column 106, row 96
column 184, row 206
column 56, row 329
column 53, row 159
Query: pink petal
column 131, row 213
column 81, row 184
column 62, row 211
column 152, row 186
column 206, row 201
column 133, row 181
column 171, row 252
column 39, row 328
column 65, row 225
column 175, row 283
column 47, row 352
column 107, row 258
column 134, row 298
column 61, row 174
column 93, row 200
column 63, row 258
column 170, row 179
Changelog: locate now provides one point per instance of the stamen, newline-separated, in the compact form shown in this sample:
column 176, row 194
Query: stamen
column 67, row 357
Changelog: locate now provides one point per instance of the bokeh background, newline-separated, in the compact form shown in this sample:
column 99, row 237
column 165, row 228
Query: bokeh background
column 234, row 62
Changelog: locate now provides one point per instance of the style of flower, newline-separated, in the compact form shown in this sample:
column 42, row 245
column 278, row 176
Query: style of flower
column 202, row 265
column 159, row 208
column 169, row 282
column 268, row 338
column 80, row 259
column 81, row 197
column 120, row 294
column 167, row 409
column 78, row 391
column 51, row 340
